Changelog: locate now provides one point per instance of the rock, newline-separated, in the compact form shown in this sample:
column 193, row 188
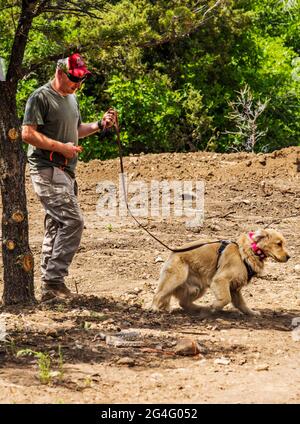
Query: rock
column 54, row 374
column 52, row 333
column 156, row 376
column 187, row 347
column 128, row 334
column 193, row 229
column 248, row 162
column 130, row 296
column 109, row 321
column 120, row 342
column 297, row 268
column 102, row 336
column 137, row 290
column 262, row 367
column 296, row 334
column 222, row 361
column 262, row 160
column 78, row 345
column 215, row 227
column 295, row 322
column 296, row 331
column 126, row 361
column 158, row 259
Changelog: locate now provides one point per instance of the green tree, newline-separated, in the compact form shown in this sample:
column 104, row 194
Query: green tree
column 18, row 20
column 33, row 34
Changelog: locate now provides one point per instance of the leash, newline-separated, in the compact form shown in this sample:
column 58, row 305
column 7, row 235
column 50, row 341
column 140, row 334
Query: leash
column 175, row 250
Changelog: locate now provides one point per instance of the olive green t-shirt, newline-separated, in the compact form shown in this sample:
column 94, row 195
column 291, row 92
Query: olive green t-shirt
column 58, row 118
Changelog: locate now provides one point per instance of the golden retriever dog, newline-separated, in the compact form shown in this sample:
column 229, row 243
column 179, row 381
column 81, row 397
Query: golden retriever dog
column 224, row 266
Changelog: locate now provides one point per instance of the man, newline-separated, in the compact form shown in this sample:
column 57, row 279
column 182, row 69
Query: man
column 52, row 126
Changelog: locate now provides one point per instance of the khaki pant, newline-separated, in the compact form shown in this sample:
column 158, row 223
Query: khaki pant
column 63, row 222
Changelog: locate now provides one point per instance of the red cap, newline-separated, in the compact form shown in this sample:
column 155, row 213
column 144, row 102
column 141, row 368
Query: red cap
column 76, row 66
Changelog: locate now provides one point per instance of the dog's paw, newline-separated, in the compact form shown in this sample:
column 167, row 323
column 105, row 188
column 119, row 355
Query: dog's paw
column 159, row 309
column 153, row 308
column 254, row 313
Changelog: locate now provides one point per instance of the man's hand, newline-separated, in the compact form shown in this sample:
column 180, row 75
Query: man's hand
column 109, row 118
column 69, row 150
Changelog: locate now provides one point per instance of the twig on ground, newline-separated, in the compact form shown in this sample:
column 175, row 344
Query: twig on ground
column 76, row 287
column 278, row 221
column 221, row 216
column 153, row 350
column 195, row 333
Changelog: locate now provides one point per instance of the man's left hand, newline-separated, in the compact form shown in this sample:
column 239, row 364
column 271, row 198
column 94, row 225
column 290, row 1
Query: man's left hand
column 109, row 118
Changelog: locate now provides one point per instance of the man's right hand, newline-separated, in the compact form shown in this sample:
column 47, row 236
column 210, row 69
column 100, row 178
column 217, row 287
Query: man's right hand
column 31, row 135
column 69, row 150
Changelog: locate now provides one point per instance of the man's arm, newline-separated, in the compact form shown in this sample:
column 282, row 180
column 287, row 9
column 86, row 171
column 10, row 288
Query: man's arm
column 31, row 136
column 84, row 130
column 107, row 121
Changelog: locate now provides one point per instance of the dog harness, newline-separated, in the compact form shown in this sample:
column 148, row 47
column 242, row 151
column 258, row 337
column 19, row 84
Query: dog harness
column 251, row 273
column 224, row 243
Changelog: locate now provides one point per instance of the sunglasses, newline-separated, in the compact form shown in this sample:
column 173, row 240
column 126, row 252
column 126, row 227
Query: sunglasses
column 75, row 79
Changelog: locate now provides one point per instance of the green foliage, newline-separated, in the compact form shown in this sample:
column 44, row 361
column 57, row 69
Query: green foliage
column 109, row 227
column 171, row 73
column 93, row 148
column 149, row 110
column 25, row 88
column 44, row 363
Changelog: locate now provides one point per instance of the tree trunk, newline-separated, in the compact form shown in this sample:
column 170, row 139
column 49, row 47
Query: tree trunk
column 17, row 257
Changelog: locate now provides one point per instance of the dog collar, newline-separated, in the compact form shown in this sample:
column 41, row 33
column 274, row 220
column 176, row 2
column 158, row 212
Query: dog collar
column 257, row 250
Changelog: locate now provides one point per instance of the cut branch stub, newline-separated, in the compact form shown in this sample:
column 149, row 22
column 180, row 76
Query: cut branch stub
column 17, row 216
column 10, row 244
column 13, row 134
column 26, row 261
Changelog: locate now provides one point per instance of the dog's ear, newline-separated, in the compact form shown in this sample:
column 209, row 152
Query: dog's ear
column 259, row 235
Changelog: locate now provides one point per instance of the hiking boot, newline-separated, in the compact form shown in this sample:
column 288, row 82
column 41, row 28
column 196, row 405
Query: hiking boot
column 59, row 291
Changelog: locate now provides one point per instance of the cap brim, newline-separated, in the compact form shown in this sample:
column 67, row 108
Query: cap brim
column 80, row 72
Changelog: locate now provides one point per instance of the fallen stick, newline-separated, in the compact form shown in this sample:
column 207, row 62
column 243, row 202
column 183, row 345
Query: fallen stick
column 153, row 350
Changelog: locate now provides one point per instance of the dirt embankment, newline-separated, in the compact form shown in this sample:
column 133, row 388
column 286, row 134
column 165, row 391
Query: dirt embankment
column 116, row 270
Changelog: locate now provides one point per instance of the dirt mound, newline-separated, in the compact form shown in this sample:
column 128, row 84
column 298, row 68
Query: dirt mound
column 116, row 270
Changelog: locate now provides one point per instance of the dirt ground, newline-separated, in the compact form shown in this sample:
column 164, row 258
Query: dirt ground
column 107, row 346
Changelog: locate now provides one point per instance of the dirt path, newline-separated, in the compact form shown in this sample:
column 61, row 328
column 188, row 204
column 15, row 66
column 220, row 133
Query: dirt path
column 252, row 360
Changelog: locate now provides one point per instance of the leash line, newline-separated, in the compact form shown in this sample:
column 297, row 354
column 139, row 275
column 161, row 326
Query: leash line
column 175, row 250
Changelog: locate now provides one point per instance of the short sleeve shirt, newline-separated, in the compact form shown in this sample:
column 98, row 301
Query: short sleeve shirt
column 58, row 118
